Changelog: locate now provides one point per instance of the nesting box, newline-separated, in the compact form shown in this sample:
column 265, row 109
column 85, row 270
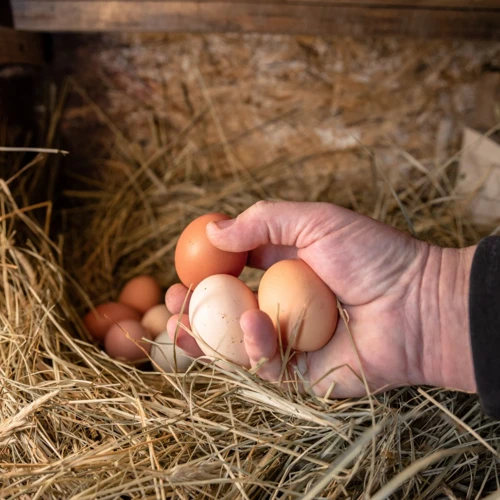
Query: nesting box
column 162, row 127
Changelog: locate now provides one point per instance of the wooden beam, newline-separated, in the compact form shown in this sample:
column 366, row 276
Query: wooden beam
column 20, row 48
column 452, row 4
column 417, row 18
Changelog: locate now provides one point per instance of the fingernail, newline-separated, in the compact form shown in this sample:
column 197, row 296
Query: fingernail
column 225, row 224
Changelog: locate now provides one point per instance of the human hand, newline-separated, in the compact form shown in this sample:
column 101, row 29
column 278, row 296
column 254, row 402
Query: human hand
column 387, row 281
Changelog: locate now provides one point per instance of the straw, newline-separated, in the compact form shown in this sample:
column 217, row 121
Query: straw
column 76, row 424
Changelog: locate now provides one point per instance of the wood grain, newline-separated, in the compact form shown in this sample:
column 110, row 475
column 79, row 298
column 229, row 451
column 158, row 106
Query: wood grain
column 438, row 19
column 20, row 48
column 403, row 4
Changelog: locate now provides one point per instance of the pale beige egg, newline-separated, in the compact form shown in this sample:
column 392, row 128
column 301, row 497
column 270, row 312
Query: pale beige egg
column 155, row 319
column 215, row 310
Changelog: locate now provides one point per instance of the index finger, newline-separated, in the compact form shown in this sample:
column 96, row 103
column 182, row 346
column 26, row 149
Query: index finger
column 295, row 224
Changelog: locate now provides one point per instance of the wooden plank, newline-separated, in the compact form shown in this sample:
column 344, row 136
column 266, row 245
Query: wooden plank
column 20, row 48
column 322, row 18
column 403, row 4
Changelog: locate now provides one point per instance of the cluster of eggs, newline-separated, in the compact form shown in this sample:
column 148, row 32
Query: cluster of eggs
column 303, row 309
column 134, row 327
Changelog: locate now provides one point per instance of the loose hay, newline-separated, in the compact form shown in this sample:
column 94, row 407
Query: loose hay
column 76, row 424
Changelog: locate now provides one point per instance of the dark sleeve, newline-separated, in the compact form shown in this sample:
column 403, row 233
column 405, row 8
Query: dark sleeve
column 484, row 322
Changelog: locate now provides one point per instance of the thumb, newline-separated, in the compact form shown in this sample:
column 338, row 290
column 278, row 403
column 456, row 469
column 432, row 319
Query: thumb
column 296, row 224
column 261, row 341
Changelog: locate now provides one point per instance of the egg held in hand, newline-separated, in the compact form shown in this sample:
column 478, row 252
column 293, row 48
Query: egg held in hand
column 306, row 307
column 167, row 356
column 100, row 320
column 215, row 310
column 196, row 258
column 124, row 341
column 141, row 293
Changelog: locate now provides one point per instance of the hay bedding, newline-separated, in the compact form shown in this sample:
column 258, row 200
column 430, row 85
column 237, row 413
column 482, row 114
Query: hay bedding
column 76, row 424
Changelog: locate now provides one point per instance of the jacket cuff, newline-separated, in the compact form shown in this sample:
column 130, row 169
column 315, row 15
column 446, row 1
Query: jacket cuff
column 484, row 322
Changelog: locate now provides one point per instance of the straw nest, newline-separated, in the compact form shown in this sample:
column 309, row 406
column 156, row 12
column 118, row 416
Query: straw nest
column 77, row 424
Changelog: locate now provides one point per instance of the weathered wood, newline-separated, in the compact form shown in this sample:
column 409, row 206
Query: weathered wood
column 419, row 18
column 460, row 4
column 20, row 48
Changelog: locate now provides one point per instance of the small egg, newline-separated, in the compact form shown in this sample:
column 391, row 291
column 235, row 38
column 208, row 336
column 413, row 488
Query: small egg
column 141, row 293
column 155, row 320
column 196, row 258
column 122, row 341
column 162, row 353
column 307, row 308
column 215, row 310
column 99, row 321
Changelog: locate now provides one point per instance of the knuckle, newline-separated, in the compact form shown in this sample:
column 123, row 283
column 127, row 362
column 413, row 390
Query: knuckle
column 265, row 205
column 261, row 206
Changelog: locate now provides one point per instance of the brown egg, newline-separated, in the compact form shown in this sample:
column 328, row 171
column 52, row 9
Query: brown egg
column 122, row 341
column 141, row 293
column 196, row 258
column 98, row 322
column 306, row 307
column 155, row 320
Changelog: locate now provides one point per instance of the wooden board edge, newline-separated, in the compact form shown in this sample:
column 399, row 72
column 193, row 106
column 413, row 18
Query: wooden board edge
column 245, row 17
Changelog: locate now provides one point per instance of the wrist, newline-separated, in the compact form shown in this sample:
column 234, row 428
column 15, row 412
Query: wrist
column 446, row 354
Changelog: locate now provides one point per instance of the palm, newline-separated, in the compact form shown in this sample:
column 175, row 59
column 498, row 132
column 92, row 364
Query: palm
column 377, row 332
column 374, row 271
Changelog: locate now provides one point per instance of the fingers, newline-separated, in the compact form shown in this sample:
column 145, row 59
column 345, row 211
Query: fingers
column 181, row 337
column 280, row 223
column 261, row 341
column 175, row 297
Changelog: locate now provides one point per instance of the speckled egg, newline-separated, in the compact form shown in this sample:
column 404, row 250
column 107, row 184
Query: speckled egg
column 215, row 310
